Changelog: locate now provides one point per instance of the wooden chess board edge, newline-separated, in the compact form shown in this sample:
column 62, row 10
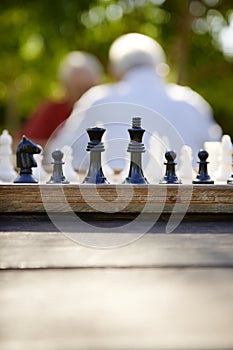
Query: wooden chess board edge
column 35, row 198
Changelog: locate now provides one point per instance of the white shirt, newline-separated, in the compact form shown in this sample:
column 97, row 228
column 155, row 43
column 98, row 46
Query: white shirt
column 175, row 113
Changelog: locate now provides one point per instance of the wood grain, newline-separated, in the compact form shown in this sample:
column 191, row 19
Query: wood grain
column 51, row 250
column 123, row 309
column 33, row 198
column 164, row 291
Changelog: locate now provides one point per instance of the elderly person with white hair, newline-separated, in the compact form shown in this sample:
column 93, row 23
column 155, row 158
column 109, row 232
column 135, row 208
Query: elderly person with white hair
column 78, row 72
column 177, row 114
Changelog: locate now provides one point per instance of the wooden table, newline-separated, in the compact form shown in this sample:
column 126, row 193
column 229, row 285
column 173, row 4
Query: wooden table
column 162, row 291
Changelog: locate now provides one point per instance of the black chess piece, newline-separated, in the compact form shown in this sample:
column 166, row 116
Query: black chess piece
column 57, row 175
column 203, row 176
column 170, row 173
column 95, row 173
column 136, row 148
column 25, row 160
column 230, row 180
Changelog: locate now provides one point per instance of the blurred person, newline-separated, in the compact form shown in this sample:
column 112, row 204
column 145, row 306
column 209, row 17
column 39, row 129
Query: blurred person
column 78, row 72
column 138, row 63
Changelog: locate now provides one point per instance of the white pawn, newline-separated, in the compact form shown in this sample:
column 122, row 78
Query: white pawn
column 225, row 160
column 40, row 174
column 68, row 170
column 7, row 172
column 186, row 172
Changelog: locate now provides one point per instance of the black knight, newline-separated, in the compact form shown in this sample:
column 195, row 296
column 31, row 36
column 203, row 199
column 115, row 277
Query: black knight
column 25, row 160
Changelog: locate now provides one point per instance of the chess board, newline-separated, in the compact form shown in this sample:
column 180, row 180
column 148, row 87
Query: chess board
column 123, row 199
column 168, row 288
column 170, row 291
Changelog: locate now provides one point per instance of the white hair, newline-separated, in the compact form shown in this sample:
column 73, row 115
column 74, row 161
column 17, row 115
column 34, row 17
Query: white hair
column 78, row 60
column 133, row 49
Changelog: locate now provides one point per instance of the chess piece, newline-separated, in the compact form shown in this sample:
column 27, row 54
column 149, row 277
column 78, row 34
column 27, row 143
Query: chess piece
column 25, row 160
column 214, row 150
column 68, row 169
column 154, row 171
column 95, row 173
column 136, row 148
column 186, row 172
column 7, row 172
column 40, row 174
column 57, row 175
column 225, row 160
column 230, row 180
column 170, row 174
column 203, row 176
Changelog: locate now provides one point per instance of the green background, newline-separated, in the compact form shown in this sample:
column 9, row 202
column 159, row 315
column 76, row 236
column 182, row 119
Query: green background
column 35, row 35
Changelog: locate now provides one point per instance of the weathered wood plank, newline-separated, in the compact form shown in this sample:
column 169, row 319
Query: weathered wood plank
column 116, row 198
column 55, row 250
column 102, row 309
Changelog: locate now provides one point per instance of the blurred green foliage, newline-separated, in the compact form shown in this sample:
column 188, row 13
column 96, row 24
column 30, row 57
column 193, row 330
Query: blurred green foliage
column 35, row 36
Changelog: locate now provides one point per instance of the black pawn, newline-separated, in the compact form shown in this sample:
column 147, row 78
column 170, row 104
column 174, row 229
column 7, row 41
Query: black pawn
column 57, row 176
column 25, row 160
column 170, row 173
column 95, row 173
column 203, row 176
column 230, row 180
column 136, row 148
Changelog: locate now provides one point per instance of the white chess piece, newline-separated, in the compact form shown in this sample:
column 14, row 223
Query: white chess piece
column 40, row 174
column 157, row 148
column 68, row 169
column 185, row 171
column 225, row 160
column 214, row 149
column 7, row 172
